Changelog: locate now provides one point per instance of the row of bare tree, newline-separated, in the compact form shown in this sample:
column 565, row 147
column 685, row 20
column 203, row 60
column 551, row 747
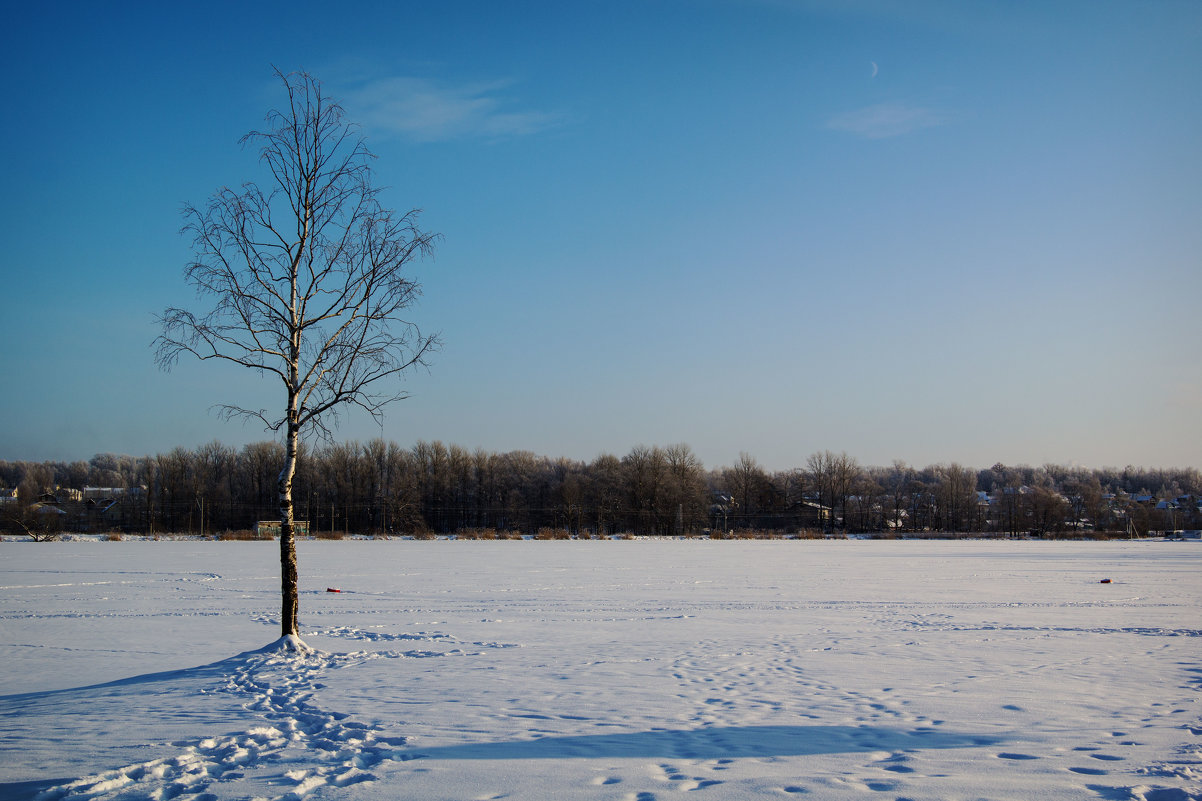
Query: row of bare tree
column 380, row 487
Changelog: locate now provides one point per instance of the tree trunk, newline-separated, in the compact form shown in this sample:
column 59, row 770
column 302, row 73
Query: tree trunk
column 289, row 593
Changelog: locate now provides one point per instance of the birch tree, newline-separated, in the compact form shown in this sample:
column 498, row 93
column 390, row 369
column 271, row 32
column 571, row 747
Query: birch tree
column 304, row 281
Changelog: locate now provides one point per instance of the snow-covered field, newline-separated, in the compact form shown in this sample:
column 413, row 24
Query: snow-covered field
column 633, row 671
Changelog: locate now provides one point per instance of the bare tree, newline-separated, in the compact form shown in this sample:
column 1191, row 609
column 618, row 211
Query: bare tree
column 746, row 481
column 646, row 471
column 956, row 494
column 307, row 283
column 686, row 496
column 833, row 476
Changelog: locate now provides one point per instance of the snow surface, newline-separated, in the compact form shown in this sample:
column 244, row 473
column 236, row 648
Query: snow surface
column 633, row 671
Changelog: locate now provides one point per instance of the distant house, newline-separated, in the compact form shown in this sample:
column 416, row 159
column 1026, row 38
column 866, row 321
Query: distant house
column 271, row 528
column 60, row 495
column 8, row 495
column 100, row 507
column 47, row 510
column 101, row 493
column 1188, row 501
column 813, row 514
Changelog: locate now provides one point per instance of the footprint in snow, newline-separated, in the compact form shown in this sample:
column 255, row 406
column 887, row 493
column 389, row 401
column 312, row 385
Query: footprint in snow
column 279, row 686
column 899, row 768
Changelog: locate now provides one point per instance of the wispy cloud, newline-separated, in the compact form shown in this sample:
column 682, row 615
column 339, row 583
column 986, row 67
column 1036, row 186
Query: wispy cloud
column 426, row 111
column 884, row 120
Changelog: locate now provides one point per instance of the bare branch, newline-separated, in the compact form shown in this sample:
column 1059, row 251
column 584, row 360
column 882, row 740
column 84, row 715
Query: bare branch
column 305, row 280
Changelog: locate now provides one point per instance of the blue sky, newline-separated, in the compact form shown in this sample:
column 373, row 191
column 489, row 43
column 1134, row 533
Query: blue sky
column 930, row 231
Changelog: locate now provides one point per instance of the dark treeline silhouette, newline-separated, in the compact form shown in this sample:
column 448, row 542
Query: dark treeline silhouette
column 378, row 487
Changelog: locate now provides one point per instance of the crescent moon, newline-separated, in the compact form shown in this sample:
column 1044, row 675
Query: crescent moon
column 875, row 68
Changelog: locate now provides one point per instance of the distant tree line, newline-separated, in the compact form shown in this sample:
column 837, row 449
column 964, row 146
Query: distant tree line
column 378, row 487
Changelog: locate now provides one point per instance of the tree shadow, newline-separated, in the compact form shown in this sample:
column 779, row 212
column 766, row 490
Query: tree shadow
column 124, row 721
column 26, row 791
column 728, row 742
column 213, row 670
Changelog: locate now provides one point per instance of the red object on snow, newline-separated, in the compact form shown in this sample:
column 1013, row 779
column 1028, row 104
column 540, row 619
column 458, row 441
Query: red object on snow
column 1104, row 581
column 331, row 589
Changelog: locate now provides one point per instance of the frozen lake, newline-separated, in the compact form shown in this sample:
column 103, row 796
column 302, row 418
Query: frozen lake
column 625, row 670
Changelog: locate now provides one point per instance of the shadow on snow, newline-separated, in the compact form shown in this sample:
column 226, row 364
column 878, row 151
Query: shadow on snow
column 729, row 742
column 214, row 670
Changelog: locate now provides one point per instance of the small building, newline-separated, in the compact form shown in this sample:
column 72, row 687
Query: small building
column 271, row 528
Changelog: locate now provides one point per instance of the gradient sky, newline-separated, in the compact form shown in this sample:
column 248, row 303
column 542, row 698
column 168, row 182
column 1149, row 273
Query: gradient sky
column 930, row 231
